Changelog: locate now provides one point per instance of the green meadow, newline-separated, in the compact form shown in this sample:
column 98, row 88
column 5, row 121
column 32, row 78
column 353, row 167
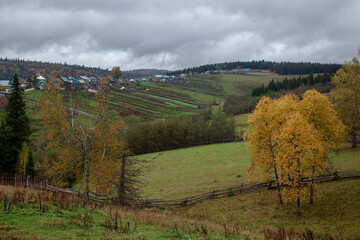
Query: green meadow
column 196, row 170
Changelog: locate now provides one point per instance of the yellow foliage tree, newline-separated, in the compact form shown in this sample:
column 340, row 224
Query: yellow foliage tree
column 116, row 72
column 290, row 140
column 318, row 111
column 265, row 124
column 90, row 152
column 347, row 96
column 300, row 152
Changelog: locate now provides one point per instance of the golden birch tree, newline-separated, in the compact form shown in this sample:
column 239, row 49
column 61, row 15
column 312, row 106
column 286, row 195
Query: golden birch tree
column 290, row 140
column 300, row 147
column 318, row 111
column 265, row 123
column 90, row 152
column 347, row 96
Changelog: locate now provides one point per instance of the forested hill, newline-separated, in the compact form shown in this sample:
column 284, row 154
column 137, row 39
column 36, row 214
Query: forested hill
column 26, row 69
column 282, row 68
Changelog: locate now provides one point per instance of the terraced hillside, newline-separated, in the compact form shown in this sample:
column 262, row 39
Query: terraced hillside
column 165, row 100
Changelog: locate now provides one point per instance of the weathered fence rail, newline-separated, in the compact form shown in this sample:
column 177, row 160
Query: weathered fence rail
column 214, row 141
column 19, row 180
column 15, row 179
column 244, row 188
column 40, row 183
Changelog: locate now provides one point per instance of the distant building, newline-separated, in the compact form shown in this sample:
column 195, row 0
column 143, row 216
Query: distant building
column 6, row 84
column 41, row 80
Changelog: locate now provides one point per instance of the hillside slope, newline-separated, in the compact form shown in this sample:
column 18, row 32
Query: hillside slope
column 196, row 170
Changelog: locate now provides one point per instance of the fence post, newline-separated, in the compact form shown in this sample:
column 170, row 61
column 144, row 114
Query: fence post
column 183, row 203
column 336, row 175
column 27, row 181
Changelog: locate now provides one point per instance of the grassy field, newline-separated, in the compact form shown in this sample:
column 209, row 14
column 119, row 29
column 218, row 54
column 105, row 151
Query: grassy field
column 60, row 217
column 243, row 84
column 192, row 171
column 335, row 211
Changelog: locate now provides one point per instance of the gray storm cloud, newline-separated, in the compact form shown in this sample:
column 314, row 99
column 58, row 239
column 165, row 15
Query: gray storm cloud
column 176, row 34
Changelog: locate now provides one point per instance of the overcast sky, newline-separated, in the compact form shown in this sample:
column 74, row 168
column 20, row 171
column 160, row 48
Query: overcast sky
column 173, row 34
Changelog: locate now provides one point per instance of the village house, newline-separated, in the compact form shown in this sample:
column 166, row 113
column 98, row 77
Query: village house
column 41, row 81
column 5, row 84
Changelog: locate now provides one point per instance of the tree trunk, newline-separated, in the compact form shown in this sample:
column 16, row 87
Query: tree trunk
column 353, row 138
column 122, row 182
column 278, row 186
column 298, row 207
column 299, row 184
column 312, row 187
column 86, row 181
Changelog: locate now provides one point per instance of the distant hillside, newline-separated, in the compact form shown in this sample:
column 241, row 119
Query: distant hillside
column 138, row 73
column 282, row 68
column 26, row 69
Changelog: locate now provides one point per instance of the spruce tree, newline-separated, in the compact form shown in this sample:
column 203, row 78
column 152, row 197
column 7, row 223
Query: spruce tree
column 30, row 168
column 3, row 145
column 17, row 127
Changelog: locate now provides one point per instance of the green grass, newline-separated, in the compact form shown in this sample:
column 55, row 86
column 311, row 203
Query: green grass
column 192, row 171
column 243, row 84
column 25, row 219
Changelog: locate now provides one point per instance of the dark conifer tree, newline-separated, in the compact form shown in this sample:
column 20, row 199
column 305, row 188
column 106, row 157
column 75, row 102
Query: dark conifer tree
column 3, row 145
column 17, row 127
column 30, row 168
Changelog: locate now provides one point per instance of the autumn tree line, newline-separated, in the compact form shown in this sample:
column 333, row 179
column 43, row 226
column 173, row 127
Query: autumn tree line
column 282, row 68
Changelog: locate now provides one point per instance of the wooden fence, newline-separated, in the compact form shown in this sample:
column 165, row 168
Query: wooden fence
column 39, row 183
column 213, row 141
column 244, row 188
column 19, row 180
column 15, row 179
